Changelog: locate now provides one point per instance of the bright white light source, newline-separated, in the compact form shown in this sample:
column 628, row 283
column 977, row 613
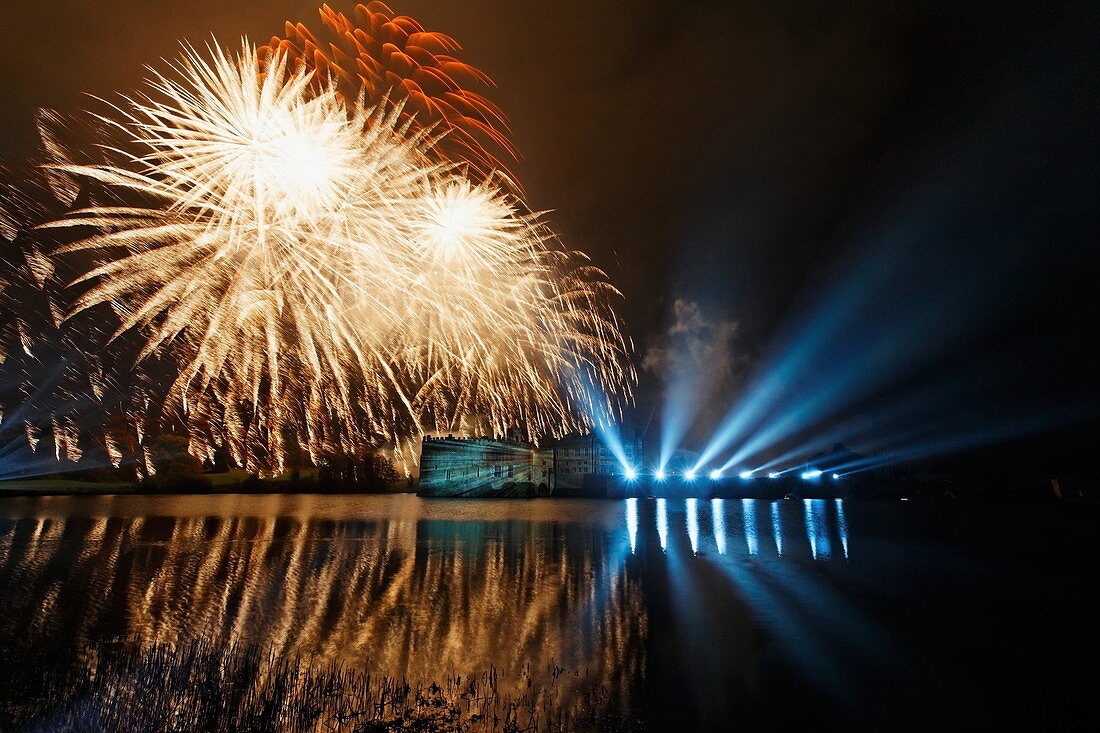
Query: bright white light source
column 836, row 475
column 715, row 474
column 773, row 474
column 745, row 474
column 630, row 474
column 690, row 475
column 812, row 474
column 660, row 474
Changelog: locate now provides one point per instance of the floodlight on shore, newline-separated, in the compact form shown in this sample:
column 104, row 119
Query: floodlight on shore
column 773, row 474
column 746, row 475
column 810, row 475
column 659, row 474
column 689, row 475
column 716, row 474
column 630, row 473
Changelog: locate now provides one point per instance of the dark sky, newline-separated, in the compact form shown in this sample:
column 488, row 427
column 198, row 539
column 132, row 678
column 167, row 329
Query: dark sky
column 731, row 153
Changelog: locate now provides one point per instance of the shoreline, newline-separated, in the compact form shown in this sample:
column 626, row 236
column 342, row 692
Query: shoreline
column 24, row 491
column 129, row 490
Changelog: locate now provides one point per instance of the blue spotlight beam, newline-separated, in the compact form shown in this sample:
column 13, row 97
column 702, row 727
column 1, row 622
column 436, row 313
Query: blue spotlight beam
column 944, row 415
column 890, row 417
column 907, row 298
column 788, row 365
column 963, row 435
column 605, row 425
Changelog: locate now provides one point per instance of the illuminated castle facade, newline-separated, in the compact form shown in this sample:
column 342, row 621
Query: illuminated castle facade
column 508, row 466
column 584, row 466
column 483, row 467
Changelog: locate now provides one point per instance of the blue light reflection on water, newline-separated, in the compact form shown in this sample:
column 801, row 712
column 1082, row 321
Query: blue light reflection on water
column 692, row 507
column 662, row 522
column 777, row 530
column 748, row 514
column 718, row 524
column 821, row 527
column 775, row 585
column 772, row 582
column 822, row 523
column 811, row 531
column 817, row 528
column 843, row 525
column 632, row 523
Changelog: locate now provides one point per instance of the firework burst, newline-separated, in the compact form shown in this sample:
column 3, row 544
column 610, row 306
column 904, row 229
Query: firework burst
column 504, row 327
column 256, row 241
column 323, row 282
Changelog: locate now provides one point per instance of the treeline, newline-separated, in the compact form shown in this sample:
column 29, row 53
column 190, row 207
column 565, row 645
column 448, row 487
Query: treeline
column 177, row 470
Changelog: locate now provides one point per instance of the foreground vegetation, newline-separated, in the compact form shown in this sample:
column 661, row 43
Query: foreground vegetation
column 209, row 687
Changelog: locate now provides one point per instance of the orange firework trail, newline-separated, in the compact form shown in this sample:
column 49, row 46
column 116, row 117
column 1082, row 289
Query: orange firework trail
column 388, row 57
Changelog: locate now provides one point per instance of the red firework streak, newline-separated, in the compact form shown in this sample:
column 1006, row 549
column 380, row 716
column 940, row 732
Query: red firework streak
column 391, row 57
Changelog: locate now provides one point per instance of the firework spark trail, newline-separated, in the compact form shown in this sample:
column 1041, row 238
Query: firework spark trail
column 318, row 275
column 57, row 389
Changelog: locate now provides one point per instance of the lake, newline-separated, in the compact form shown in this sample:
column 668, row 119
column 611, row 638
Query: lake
column 611, row 615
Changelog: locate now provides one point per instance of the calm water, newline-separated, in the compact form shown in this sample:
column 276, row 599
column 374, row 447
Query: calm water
column 696, row 613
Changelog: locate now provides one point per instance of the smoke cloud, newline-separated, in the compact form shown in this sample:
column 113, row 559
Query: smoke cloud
column 698, row 366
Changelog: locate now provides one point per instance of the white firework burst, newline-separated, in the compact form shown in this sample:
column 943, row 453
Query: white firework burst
column 315, row 275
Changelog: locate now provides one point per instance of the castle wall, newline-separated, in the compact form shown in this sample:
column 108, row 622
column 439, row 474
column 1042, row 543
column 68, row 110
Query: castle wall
column 489, row 467
column 482, row 467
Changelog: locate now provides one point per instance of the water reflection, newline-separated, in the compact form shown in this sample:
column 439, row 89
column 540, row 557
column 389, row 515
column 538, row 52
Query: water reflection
column 843, row 524
column 419, row 589
column 777, row 530
column 822, row 523
column 407, row 595
column 632, row 523
column 748, row 512
column 384, row 587
column 662, row 522
column 718, row 523
column 693, row 523
column 695, row 615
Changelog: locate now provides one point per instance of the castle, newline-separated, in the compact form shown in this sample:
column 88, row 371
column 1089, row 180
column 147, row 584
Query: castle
column 509, row 466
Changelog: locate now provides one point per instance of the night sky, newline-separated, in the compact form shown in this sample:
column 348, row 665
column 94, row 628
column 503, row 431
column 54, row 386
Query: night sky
column 742, row 156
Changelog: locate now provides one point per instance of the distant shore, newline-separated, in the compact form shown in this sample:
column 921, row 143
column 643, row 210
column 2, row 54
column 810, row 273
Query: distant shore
column 231, row 482
column 242, row 483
